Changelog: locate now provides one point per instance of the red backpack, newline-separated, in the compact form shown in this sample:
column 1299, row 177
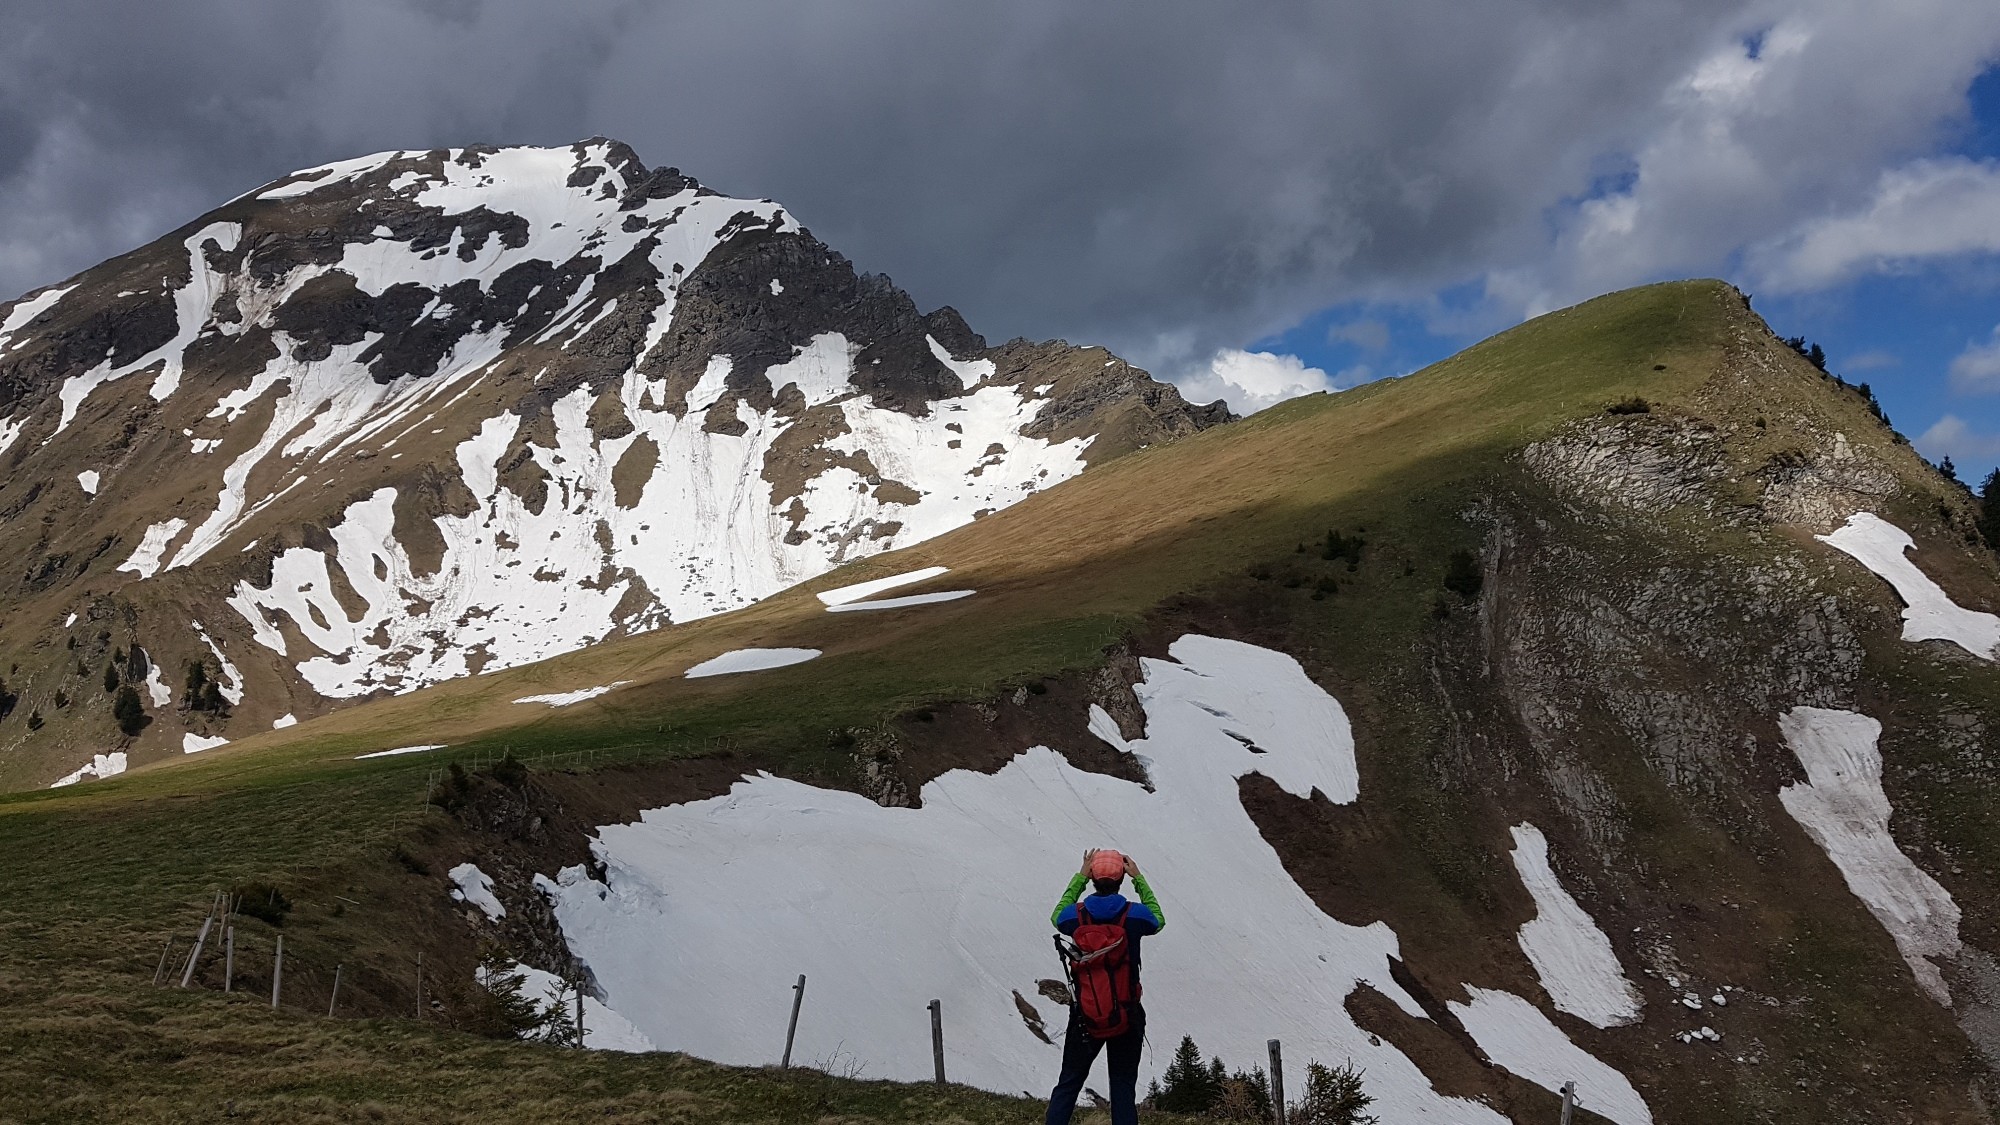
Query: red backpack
column 1099, row 962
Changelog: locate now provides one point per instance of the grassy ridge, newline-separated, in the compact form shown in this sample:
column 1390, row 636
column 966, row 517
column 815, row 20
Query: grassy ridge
column 99, row 873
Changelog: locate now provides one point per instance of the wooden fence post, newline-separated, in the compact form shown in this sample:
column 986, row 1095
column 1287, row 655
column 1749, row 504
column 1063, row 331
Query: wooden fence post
column 1569, row 1100
column 937, row 1038
column 420, row 984
column 798, row 997
column 579, row 1011
column 187, row 975
column 278, row 972
column 1277, row 1081
column 335, row 998
column 229, row 959
column 165, row 954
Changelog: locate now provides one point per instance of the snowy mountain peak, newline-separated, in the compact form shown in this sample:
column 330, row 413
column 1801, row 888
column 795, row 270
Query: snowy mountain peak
column 418, row 415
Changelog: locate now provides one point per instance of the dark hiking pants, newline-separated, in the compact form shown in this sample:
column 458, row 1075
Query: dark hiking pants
column 1122, row 1059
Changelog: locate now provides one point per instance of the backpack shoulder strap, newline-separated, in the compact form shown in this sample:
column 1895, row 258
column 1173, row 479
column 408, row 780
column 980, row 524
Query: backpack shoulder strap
column 1127, row 909
column 1083, row 915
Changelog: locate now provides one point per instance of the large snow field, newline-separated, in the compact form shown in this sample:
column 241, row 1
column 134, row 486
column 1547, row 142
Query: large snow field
column 1929, row 612
column 1841, row 805
column 709, row 910
column 1572, row 956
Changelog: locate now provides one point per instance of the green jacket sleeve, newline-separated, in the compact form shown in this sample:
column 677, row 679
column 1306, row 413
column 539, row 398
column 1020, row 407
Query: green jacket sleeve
column 1153, row 904
column 1075, row 888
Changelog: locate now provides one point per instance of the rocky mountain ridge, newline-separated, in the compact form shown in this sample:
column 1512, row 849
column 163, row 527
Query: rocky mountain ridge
column 420, row 415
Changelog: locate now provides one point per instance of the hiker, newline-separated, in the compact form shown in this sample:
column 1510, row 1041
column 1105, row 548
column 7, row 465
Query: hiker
column 1103, row 962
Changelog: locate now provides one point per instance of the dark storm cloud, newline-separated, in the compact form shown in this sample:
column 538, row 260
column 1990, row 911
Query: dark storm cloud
column 1164, row 177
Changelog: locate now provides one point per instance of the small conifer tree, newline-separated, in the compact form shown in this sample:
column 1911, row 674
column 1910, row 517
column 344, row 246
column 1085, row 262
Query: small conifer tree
column 510, row 1014
column 1989, row 509
column 127, row 712
column 1461, row 575
column 110, row 678
column 1333, row 1096
column 1188, row 1086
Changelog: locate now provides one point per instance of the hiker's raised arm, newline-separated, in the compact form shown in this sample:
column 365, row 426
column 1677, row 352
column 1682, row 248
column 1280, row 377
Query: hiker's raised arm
column 1146, row 895
column 1069, row 896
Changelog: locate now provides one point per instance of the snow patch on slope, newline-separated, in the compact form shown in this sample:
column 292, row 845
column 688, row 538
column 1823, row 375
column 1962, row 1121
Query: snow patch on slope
column 565, row 698
column 192, row 743
column 751, row 660
column 145, row 561
column 1572, row 956
column 471, row 885
column 26, row 310
column 100, row 765
column 841, row 595
column 400, row 750
column 836, row 873
column 161, row 693
column 193, row 304
column 970, row 372
column 902, row 602
column 230, row 685
column 1929, row 612
column 603, row 1028
column 1841, row 805
column 1516, row 1035
column 87, row 480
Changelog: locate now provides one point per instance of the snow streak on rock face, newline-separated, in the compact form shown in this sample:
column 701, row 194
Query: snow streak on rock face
column 1930, row 614
column 1572, row 956
column 1841, row 805
column 885, row 908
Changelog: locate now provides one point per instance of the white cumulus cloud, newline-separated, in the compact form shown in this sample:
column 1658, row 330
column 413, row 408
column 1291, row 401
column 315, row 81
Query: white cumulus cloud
column 1953, row 437
column 1977, row 368
column 1251, row 381
column 1921, row 210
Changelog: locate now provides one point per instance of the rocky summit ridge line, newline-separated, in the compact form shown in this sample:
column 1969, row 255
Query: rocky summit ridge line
column 419, row 415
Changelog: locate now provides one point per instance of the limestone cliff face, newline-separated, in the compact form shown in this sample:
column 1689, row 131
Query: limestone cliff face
column 424, row 414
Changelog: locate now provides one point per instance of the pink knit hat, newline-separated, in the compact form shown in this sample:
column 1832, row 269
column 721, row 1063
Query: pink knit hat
column 1107, row 864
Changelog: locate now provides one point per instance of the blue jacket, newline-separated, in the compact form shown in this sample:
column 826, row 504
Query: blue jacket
column 1142, row 921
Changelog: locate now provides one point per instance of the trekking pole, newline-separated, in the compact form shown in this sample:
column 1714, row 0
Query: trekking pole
column 1277, row 1081
column 277, row 972
column 798, row 998
column 937, row 1038
column 1569, row 1100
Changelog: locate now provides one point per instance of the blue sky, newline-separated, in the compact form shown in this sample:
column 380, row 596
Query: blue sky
column 1898, row 323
